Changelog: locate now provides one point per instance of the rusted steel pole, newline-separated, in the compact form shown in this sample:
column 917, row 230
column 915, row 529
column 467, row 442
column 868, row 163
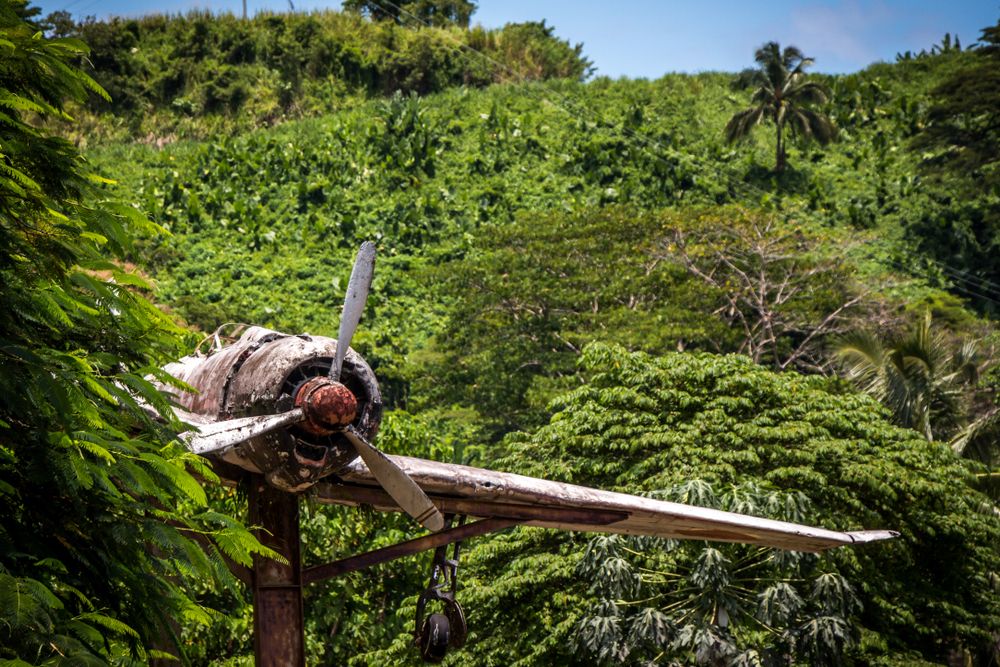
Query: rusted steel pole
column 386, row 554
column 278, row 628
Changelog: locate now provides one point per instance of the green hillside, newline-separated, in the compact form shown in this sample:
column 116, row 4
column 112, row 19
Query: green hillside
column 200, row 74
column 582, row 280
column 438, row 177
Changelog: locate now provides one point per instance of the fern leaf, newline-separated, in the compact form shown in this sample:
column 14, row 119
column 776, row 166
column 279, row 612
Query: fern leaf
column 109, row 623
column 178, row 478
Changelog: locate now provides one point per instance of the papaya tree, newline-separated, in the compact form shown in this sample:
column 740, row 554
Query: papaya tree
column 699, row 603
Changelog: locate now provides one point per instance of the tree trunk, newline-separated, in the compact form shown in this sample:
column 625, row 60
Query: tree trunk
column 779, row 158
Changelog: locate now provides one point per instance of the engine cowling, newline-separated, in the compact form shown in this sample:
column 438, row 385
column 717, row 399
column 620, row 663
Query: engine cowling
column 262, row 373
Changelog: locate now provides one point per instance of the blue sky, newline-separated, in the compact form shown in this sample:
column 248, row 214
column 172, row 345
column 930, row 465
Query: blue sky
column 646, row 38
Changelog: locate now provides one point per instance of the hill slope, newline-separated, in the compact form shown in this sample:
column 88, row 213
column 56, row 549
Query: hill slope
column 425, row 176
column 519, row 222
column 199, row 74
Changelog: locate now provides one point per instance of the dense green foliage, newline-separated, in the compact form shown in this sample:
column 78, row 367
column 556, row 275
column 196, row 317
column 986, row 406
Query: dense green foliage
column 199, row 74
column 430, row 12
column 97, row 549
column 518, row 223
column 530, row 294
column 438, row 177
column 960, row 150
column 647, row 423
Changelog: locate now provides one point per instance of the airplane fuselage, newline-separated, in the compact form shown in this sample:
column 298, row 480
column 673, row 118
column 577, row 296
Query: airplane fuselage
column 266, row 372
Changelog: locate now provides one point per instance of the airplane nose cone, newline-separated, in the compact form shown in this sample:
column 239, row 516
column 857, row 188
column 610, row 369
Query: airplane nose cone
column 328, row 405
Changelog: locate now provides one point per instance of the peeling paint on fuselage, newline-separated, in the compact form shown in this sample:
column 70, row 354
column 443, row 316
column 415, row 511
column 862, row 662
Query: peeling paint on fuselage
column 257, row 375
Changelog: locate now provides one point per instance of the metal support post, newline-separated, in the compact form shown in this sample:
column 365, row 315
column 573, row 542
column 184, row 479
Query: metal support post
column 278, row 625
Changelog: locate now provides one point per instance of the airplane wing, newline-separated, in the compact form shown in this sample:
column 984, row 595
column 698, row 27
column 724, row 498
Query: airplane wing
column 458, row 489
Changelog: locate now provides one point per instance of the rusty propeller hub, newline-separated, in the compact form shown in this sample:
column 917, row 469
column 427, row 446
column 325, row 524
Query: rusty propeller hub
column 328, row 406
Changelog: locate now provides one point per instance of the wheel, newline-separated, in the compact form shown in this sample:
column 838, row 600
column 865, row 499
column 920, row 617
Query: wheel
column 456, row 619
column 434, row 637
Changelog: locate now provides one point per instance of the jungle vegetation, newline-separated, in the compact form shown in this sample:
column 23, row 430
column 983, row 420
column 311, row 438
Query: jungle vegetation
column 578, row 278
column 107, row 535
column 198, row 74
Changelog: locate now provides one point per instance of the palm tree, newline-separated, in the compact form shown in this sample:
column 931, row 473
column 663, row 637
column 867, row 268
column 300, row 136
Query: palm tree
column 927, row 383
column 932, row 386
column 783, row 97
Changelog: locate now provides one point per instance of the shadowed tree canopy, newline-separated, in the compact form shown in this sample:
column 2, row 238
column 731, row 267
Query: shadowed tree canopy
column 532, row 293
column 959, row 148
column 432, row 12
column 963, row 132
column 784, row 97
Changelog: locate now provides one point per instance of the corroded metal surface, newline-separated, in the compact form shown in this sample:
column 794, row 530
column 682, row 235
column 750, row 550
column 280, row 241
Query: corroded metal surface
column 259, row 375
column 347, row 494
column 328, row 405
column 644, row 516
column 277, row 587
column 210, row 375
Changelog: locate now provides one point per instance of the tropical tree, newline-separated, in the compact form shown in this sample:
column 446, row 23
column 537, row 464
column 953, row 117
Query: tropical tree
column 533, row 292
column 943, row 389
column 103, row 525
column 927, row 382
column 432, row 12
column 771, row 283
column 783, row 96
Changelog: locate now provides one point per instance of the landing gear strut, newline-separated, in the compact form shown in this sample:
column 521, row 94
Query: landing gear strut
column 438, row 632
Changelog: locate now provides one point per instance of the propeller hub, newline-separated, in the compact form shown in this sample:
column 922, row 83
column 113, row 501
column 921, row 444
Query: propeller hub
column 328, row 406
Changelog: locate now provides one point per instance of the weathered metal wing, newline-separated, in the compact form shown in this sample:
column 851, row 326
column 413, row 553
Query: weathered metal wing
column 458, row 489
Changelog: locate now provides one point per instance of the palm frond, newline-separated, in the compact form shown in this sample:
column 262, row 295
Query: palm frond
column 928, row 383
column 768, row 53
column 979, row 439
column 740, row 125
column 864, row 357
column 792, row 58
column 809, row 124
column 808, row 92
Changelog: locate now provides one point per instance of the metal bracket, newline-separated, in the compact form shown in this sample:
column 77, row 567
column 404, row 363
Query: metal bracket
column 434, row 634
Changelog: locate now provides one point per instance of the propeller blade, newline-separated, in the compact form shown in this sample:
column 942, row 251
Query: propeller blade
column 411, row 498
column 354, row 303
column 217, row 436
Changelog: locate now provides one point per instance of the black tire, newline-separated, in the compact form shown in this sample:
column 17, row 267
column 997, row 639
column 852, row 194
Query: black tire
column 456, row 618
column 434, row 638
